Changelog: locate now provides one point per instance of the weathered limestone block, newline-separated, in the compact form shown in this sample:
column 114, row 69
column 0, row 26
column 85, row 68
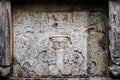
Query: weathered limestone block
column 5, row 24
column 5, row 56
column 51, row 43
column 114, row 31
column 114, row 37
column 97, row 44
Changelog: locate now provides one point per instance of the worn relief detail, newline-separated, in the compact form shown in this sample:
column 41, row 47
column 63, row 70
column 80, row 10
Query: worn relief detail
column 97, row 44
column 114, row 32
column 50, row 44
column 114, row 37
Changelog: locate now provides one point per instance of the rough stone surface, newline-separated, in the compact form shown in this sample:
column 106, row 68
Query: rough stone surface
column 5, row 34
column 114, row 37
column 62, row 40
column 4, row 39
column 61, row 79
column 115, row 70
column 51, row 44
column 4, row 71
column 97, row 44
column 114, row 16
column 53, row 41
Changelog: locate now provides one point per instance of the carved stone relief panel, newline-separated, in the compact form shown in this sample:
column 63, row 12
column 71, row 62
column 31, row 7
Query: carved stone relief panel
column 50, row 44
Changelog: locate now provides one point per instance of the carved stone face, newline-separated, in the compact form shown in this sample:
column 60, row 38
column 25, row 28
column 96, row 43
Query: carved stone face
column 59, row 42
column 59, row 45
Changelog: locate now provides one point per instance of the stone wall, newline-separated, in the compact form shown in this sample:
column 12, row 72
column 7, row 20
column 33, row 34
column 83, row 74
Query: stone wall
column 48, row 43
column 61, row 40
column 5, row 38
column 65, row 40
column 114, row 16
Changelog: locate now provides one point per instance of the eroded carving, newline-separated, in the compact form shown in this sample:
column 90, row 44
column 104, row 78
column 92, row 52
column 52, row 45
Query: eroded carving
column 97, row 43
column 61, row 46
column 53, row 46
column 114, row 37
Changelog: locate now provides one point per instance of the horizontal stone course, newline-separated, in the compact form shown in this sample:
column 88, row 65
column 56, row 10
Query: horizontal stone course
column 62, row 79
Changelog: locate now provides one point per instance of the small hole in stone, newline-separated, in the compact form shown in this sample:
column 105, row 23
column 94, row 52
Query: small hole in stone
column 56, row 24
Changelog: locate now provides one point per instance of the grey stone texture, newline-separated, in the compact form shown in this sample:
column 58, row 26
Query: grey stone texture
column 61, row 41
column 53, row 41
column 114, row 37
column 4, row 39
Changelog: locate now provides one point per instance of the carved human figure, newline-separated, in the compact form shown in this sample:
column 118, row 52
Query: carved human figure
column 59, row 46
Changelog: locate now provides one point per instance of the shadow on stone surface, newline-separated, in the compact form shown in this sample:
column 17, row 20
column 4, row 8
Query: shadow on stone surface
column 4, row 78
